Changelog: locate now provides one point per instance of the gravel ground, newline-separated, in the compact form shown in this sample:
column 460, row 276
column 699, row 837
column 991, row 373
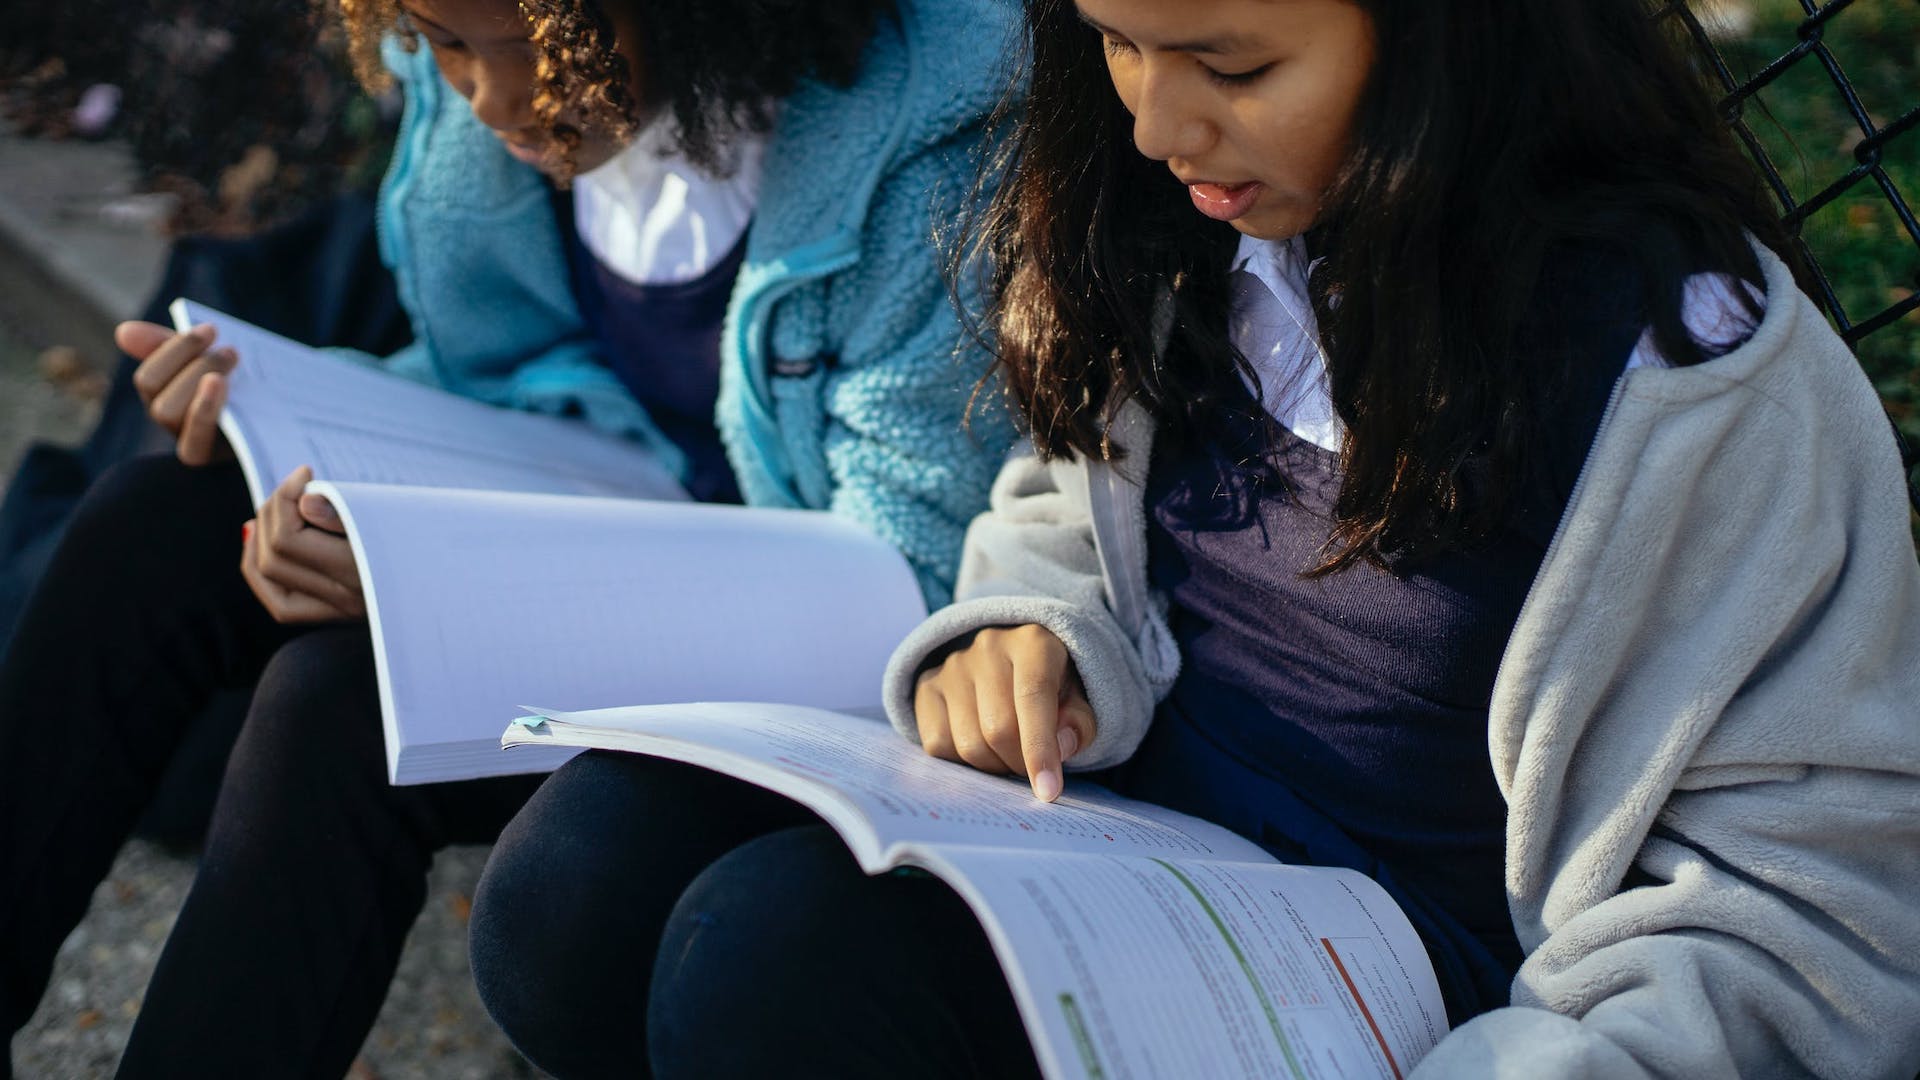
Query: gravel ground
column 432, row 1026
column 31, row 407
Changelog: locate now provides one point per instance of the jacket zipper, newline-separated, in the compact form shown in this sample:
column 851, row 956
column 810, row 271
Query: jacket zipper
column 1116, row 541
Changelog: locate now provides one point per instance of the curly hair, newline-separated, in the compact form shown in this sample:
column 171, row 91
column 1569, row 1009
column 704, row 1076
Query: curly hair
column 716, row 67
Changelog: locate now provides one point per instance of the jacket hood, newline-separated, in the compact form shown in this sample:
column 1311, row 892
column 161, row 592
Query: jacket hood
column 928, row 75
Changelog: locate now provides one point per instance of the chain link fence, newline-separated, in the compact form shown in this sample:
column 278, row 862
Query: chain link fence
column 1841, row 153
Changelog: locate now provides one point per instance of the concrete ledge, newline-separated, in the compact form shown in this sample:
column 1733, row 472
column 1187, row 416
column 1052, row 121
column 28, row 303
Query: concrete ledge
column 54, row 228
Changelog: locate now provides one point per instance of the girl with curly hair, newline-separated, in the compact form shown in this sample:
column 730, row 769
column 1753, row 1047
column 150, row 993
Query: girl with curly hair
column 1436, row 472
column 707, row 227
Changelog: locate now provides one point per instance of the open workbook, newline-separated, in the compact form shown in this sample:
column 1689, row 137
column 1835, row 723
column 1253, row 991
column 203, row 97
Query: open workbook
column 509, row 557
column 1139, row 942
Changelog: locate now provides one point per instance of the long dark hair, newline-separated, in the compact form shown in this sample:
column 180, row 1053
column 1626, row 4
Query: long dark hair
column 1489, row 136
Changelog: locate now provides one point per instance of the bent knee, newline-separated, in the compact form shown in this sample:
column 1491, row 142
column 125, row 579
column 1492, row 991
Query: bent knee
column 153, row 490
column 152, row 515
column 571, row 868
column 316, row 713
column 783, row 907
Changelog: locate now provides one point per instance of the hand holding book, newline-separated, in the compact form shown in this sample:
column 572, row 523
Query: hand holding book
column 490, row 573
column 297, row 559
column 181, row 380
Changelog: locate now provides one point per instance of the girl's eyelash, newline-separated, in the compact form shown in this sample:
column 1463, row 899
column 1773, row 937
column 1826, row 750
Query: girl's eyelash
column 407, row 24
column 1116, row 47
column 1239, row 78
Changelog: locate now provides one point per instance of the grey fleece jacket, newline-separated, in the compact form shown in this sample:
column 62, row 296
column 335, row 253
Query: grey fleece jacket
column 1714, row 682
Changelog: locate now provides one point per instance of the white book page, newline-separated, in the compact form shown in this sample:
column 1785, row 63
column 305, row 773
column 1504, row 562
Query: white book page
column 1129, row 967
column 289, row 405
column 1140, row 942
column 481, row 601
column 881, row 792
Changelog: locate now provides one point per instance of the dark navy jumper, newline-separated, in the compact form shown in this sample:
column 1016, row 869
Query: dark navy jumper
column 663, row 342
column 1342, row 719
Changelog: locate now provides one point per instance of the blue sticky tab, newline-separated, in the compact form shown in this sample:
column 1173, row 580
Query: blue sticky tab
column 530, row 722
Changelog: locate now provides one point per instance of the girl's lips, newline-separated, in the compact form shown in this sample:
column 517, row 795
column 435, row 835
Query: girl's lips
column 1224, row 202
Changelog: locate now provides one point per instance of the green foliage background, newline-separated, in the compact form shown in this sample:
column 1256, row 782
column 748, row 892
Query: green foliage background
column 1803, row 122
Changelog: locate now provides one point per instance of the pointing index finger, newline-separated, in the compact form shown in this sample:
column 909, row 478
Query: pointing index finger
column 1038, row 672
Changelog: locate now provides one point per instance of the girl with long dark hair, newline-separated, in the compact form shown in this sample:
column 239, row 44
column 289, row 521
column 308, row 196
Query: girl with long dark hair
column 1436, row 472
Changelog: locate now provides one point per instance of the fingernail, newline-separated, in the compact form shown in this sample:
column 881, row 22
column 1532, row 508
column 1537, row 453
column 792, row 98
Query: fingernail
column 246, row 532
column 1046, row 786
column 1069, row 740
column 204, row 332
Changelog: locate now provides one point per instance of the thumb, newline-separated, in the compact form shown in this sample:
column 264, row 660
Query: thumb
column 138, row 339
column 316, row 511
column 1077, row 725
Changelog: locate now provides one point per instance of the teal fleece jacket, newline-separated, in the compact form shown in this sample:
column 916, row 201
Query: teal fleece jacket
column 845, row 373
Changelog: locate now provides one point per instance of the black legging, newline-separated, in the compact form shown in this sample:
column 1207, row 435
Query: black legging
column 643, row 913
column 314, row 867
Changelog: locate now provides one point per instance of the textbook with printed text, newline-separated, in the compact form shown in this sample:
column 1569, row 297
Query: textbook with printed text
column 509, row 557
column 1139, row 942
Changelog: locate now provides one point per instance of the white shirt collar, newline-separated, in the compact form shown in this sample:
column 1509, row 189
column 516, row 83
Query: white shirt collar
column 654, row 218
column 1273, row 325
